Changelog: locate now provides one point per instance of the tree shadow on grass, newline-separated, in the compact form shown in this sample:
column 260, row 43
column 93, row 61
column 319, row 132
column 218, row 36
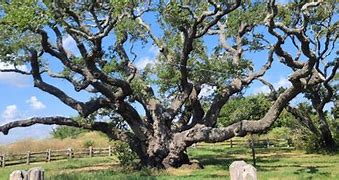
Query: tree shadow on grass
column 199, row 176
column 222, row 150
column 221, row 162
column 225, row 162
column 311, row 170
column 272, row 150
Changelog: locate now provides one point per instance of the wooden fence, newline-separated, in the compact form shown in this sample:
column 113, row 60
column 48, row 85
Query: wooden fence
column 51, row 155
column 257, row 143
column 253, row 144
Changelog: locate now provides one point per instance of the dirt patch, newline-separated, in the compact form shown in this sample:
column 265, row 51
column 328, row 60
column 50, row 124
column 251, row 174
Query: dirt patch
column 185, row 169
column 97, row 167
column 179, row 171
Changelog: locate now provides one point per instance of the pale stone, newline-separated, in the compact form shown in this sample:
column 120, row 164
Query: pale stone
column 240, row 170
column 17, row 175
column 36, row 173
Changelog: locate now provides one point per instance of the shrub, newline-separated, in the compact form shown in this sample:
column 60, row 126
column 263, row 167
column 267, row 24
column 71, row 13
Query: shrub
column 88, row 143
column 280, row 133
column 305, row 140
column 125, row 155
column 62, row 132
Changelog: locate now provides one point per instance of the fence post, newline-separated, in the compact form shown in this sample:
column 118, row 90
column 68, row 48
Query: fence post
column 69, row 153
column 109, row 150
column 253, row 151
column 28, row 157
column 3, row 161
column 231, row 143
column 49, row 155
column 90, row 151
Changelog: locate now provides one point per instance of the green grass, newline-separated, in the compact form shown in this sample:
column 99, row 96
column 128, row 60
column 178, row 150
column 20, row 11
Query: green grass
column 271, row 164
column 56, row 167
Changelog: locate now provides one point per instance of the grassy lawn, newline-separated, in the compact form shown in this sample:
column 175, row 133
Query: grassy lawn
column 271, row 164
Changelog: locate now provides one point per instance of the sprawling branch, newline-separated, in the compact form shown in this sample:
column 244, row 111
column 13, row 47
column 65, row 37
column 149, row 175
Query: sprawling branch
column 210, row 134
column 16, row 70
column 303, row 118
column 216, row 16
column 236, row 86
column 83, row 108
column 192, row 113
column 107, row 128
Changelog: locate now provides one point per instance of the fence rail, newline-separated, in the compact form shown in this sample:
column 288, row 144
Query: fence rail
column 257, row 143
column 9, row 159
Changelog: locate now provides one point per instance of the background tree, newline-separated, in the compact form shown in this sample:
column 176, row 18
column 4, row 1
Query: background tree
column 62, row 132
column 239, row 108
column 169, row 91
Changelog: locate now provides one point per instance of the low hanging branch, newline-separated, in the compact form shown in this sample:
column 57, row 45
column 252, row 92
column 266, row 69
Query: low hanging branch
column 57, row 120
column 107, row 128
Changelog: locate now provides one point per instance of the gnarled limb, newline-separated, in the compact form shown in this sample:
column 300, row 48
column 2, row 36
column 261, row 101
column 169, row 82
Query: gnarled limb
column 209, row 134
column 107, row 128
column 304, row 119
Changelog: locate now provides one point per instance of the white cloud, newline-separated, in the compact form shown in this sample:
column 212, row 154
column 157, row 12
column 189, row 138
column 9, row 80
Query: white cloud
column 68, row 41
column 12, row 78
column 148, row 60
column 154, row 50
column 207, row 90
column 283, row 82
column 35, row 103
column 70, row 45
column 143, row 62
column 10, row 113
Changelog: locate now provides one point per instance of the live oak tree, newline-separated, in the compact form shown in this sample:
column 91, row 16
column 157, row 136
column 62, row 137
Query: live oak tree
column 170, row 91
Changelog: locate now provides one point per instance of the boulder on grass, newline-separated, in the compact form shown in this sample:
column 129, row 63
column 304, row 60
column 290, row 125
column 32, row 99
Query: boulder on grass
column 36, row 173
column 17, row 175
column 240, row 170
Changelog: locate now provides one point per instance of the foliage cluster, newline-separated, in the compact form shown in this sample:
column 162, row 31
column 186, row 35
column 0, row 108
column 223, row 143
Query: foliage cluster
column 62, row 132
column 125, row 155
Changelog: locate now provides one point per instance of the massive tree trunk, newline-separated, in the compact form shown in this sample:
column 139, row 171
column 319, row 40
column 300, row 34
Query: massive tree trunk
column 169, row 153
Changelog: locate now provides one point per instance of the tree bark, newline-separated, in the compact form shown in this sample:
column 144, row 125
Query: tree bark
column 327, row 137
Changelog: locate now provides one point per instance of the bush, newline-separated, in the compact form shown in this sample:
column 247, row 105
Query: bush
column 280, row 133
column 125, row 154
column 62, row 132
column 88, row 143
column 305, row 140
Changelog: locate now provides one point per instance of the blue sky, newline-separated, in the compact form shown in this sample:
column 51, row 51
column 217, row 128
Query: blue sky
column 19, row 99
